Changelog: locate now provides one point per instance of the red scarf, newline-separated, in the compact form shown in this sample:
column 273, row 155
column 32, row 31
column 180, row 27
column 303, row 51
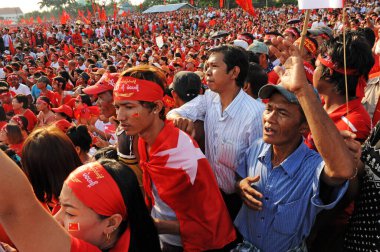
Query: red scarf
column 185, row 181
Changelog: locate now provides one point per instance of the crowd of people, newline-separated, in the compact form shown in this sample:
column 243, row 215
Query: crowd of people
column 195, row 130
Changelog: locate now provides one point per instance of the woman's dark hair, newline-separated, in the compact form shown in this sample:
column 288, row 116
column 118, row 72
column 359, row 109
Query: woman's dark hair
column 109, row 152
column 3, row 115
column 14, row 133
column 64, row 74
column 80, row 137
column 85, row 98
column 48, row 157
column 144, row 236
column 234, row 56
column 358, row 56
column 61, row 80
column 150, row 73
column 21, row 98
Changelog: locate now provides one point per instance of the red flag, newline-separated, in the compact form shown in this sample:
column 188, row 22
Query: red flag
column 99, row 11
column 65, row 16
column 88, row 13
column 192, row 2
column 124, row 14
column 141, row 6
column 247, row 6
column 31, row 20
column 184, row 180
column 45, row 19
column 39, row 20
column 165, row 2
column 73, row 226
column 114, row 11
column 221, row 4
column 93, row 7
column 103, row 15
column 11, row 47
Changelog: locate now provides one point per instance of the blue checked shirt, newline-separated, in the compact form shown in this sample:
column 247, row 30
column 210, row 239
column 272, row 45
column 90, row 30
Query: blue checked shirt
column 229, row 133
column 290, row 197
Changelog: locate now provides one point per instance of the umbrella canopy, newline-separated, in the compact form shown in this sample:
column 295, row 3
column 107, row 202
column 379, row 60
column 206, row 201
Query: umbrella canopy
column 294, row 21
column 220, row 34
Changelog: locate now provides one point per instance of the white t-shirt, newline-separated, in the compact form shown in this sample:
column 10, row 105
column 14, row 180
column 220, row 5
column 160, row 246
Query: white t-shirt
column 22, row 89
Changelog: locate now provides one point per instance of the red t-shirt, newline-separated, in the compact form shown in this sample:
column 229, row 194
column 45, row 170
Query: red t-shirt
column 32, row 119
column 357, row 121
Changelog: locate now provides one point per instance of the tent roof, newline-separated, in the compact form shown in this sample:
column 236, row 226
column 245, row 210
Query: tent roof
column 166, row 8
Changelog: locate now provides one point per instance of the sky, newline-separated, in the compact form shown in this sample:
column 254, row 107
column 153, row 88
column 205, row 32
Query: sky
column 31, row 5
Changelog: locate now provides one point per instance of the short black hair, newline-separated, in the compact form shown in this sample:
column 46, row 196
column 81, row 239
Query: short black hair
column 256, row 77
column 358, row 56
column 234, row 56
column 80, row 137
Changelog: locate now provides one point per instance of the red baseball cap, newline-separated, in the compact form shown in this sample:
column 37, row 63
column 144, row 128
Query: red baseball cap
column 64, row 109
column 106, row 83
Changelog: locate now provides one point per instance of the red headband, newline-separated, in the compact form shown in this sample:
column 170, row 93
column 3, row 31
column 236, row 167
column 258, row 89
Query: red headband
column 309, row 46
column 96, row 188
column 41, row 100
column 327, row 62
column 18, row 121
column 12, row 77
column 292, row 31
column 129, row 88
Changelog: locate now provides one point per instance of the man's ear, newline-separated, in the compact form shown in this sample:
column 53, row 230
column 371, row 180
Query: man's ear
column 247, row 86
column 235, row 72
column 159, row 106
column 304, row 128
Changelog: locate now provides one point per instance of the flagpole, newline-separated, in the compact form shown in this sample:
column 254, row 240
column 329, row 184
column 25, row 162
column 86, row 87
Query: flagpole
column 304, row 30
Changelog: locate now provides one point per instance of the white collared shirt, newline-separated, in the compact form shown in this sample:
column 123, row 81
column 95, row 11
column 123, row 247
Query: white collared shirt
column 228, row 133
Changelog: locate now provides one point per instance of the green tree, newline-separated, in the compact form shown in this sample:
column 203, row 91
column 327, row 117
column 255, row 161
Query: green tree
column 56, row 4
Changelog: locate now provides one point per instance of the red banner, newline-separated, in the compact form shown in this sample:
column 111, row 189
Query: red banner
column 247, row 6
column 221, row 4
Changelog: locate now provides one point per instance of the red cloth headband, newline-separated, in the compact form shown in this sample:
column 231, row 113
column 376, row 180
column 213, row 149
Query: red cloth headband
column 362, row 83
column 309, row 45
column 132, row 89
column 292, row 31
column 96, row 188
column 42, row 101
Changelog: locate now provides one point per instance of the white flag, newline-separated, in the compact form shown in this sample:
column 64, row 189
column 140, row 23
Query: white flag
column 320, row 4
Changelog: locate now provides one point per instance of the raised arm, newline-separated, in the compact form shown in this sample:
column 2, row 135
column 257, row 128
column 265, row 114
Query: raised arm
column 340, row 164
column 28, row 224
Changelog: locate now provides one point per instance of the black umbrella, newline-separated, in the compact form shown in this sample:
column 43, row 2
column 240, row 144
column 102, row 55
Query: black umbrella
column 294, row 21
column 220, row 34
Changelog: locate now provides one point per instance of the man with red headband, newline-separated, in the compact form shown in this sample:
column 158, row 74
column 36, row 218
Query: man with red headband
column 329, row 79
column 178, row 181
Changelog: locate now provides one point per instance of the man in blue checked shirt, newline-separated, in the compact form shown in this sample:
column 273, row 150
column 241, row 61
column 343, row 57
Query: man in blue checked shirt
column 283, row 184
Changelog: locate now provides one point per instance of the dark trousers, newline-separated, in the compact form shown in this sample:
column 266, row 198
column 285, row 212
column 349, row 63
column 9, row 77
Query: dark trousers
column 171, row 248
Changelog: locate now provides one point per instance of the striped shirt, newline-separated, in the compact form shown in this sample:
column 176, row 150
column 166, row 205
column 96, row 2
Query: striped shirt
column 291, row 199
column 228, row 133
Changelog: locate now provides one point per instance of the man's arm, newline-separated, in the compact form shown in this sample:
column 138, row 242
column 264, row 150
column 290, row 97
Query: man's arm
column 28, row 224
column 339, row 162
column 184, row 116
